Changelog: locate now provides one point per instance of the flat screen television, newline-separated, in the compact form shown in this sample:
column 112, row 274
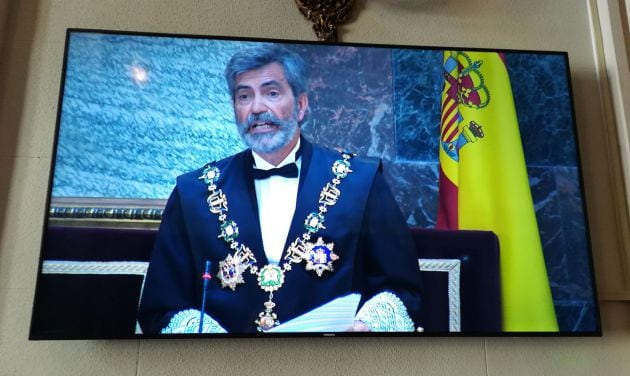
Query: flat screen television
column 431, row 191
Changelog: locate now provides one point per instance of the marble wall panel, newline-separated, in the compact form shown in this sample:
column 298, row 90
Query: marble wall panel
column 351, row 104
column 417, row 87
column 576, row 315
column 139, row 111
column 414, row 187
column 558, row 202
column 579, row 263
column 543, row 105
column 545, row 196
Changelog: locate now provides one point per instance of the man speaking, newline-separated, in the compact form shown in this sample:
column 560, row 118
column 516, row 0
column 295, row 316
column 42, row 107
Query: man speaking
column 284, row 227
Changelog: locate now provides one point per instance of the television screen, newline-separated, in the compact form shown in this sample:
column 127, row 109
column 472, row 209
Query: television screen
column 237, row 187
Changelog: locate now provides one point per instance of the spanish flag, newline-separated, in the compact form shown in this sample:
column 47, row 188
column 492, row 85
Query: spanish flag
column 484, row 184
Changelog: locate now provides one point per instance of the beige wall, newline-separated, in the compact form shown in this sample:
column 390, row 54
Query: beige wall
column 30, row 69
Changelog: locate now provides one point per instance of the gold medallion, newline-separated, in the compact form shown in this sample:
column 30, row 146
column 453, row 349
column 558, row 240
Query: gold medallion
column 231, row 272
column 320, row 256
column 267, row 319
column 270, row 278
column 232, row 268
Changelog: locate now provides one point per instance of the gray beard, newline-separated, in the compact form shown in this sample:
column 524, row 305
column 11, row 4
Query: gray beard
column 268, row 142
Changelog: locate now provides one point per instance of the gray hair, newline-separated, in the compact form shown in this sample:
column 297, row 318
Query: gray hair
column 295, row 68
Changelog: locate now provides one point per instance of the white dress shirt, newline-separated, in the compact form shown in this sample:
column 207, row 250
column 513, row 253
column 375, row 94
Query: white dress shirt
column 276, row 197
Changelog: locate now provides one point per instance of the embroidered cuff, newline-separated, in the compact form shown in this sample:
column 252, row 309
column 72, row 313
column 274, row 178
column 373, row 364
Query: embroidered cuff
column 385, row 312
column 188, row 322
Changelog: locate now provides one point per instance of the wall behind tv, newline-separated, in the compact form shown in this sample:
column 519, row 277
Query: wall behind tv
column 30, row 68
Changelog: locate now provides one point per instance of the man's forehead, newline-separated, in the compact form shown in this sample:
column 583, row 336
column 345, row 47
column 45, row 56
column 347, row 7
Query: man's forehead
column 265, row 75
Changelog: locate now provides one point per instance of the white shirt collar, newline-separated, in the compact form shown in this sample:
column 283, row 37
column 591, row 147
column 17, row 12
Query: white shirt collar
column 262, row 164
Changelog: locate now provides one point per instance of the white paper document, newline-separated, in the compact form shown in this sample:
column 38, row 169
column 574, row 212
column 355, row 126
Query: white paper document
column 334, row 316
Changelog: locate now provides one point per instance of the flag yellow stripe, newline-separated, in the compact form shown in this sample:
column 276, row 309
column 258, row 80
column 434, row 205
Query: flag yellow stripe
column 494, row 194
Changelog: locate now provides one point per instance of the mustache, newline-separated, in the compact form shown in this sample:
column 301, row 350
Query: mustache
column 264, row 117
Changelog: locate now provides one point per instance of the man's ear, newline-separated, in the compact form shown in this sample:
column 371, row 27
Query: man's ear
column 302, row 104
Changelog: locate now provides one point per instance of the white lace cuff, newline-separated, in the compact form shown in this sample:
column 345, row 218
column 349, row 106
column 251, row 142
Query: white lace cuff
column 188, row 322
column 385, row 312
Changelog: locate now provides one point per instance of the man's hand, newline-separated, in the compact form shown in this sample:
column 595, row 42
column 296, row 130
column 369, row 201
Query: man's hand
column 358, row 326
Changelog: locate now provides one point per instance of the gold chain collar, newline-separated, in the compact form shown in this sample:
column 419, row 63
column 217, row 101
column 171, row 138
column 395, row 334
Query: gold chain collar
column 318, row 256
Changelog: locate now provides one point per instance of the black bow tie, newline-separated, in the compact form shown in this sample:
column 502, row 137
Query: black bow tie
column 288, row 171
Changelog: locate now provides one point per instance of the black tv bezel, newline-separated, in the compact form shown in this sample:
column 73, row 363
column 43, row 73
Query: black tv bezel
column 69, row 31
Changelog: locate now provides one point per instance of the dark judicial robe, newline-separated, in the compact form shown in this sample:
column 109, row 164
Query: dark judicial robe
column 376, row 251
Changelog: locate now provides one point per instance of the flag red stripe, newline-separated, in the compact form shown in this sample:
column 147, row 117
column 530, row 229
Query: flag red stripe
column 450, row 136
column 447, row 204
column 452, row 105
column 447, row 126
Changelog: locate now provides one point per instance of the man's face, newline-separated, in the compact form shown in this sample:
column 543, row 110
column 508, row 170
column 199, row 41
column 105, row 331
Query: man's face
column 267, row 112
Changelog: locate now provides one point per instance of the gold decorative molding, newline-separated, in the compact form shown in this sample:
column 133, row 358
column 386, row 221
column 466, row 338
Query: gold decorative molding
column 325, row 15
column 105, row 212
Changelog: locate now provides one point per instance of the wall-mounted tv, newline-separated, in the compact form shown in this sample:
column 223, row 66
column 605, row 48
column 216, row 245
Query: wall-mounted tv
column 238, row 187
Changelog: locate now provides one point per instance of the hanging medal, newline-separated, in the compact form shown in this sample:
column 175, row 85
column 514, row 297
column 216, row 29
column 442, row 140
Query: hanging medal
column 320, row 257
